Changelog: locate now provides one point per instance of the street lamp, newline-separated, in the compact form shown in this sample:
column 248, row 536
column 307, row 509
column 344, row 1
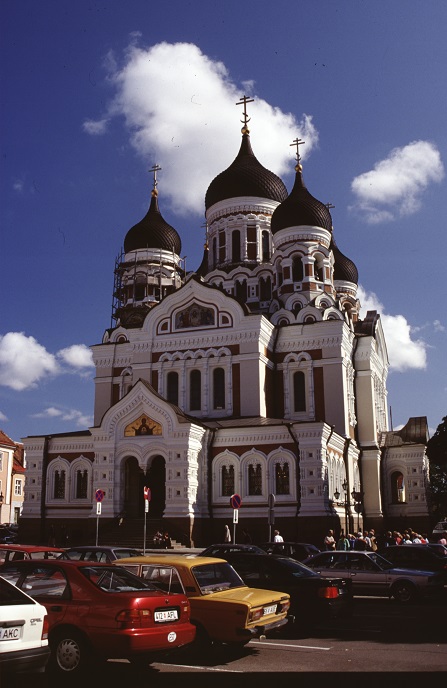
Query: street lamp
column 344, row 487
column 357, row 496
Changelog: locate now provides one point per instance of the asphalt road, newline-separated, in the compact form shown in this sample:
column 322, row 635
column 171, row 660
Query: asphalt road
column 382, row 639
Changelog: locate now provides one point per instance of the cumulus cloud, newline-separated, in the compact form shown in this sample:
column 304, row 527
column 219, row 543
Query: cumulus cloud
column 179, row 107
column 403, row 351
column 95, row 128
column 80, row 419
column 2, row 416
column 394, row 186
column 24, row 362
column 77, row 356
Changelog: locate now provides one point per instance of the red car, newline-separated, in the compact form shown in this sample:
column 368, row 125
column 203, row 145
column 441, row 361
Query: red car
column 100, row 610
column 17, row 552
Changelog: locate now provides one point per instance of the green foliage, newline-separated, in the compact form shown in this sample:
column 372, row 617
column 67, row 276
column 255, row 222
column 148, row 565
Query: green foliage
column 437, row 456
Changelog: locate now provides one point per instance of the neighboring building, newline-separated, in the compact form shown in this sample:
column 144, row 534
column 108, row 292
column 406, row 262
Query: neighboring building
column 253, row 375
column 12, row 479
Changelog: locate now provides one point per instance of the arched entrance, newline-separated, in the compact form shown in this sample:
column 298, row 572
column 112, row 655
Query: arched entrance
column 156, row 480
column 135, row 480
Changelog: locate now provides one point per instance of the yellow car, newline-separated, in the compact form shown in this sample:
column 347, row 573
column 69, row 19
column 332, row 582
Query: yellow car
column 223, row 608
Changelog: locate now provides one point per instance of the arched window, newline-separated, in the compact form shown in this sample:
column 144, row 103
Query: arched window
column 299, row 391
column 59, row 484
column 222, row 247
column 172, row 391
column 140, row 288
column 265, row 246
column 214, row 254
column 227, row 481
column 297, row 269
column 81, row 484
column 219, row 388
column 282, row 479
column 241, row 290
column 236, row 246
column 251, row 242
column 318, row 271
column 265, row 289
column 397, row 487
column 195, row 390
column 255, row 479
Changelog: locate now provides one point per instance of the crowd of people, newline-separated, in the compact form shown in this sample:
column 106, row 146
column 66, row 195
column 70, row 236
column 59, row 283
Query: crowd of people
column 162, row 540
column 369, row 541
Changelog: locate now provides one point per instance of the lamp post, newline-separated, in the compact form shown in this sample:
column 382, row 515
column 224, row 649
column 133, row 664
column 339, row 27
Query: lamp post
column 357, row 496
column 345, row 504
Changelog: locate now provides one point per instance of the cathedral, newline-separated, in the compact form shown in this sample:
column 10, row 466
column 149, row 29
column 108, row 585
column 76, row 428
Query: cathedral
column 253, row 375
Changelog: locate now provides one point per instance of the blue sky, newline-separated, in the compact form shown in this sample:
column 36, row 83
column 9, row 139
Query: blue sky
column 93, row 94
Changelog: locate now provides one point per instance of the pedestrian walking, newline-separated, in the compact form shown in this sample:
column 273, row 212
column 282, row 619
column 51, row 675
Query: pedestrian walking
column 227, row 534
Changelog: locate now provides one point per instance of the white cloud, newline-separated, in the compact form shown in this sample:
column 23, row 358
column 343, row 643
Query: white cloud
column 439, row 327
column 77, row 356
column 395, row 186
column 24, row 362
column 18, row 185
column 82, row 420
column 2, row 416
column 95, row 128
column 403, row 351
column 179, row 106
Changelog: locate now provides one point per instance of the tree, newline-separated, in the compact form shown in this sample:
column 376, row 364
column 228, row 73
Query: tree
column 437, row 456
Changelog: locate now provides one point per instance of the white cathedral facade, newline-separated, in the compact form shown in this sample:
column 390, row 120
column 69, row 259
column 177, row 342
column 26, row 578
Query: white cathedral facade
column 253, row 375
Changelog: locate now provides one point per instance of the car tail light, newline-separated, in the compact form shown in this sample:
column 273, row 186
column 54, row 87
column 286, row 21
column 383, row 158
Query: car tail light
column 134, row 618
column 328, row 593
column 256, row 614
column 45, row 628
column 285, row 605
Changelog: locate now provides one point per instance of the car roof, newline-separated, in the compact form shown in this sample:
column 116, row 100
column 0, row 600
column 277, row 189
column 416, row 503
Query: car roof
column 100, row 548
column 31, row 548
column 181, row 560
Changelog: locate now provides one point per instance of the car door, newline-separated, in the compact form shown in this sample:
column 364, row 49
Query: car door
column 367, row 577
column 45, row 583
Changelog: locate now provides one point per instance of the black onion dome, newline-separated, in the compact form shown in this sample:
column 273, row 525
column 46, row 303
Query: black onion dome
column 245, row 177
column 300, row 208
column 153, row 232
column 344, row 269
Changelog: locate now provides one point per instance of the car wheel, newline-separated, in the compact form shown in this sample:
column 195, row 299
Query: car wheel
column 403, row 592
column 202, row 640
column 70, row 653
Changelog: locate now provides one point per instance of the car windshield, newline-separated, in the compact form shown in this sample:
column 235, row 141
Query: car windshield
column 216, row 577
column 381, row 561
column 296, row 569
column 114, row 579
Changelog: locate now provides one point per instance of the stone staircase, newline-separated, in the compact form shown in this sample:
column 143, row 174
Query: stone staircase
column 131, row 533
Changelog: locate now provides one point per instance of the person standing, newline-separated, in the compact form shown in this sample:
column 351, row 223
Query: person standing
column 227, row 534
column 329, row 541
column 278, row 537
column 343, row 542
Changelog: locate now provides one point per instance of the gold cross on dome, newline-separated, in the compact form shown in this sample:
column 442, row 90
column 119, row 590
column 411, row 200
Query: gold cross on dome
column 329, row 206
column 243, row 101
column 297, row 143
column 155, row 168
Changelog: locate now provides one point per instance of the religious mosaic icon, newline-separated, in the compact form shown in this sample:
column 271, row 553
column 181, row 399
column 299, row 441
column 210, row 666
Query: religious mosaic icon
column 143, row 426
column 194, row 316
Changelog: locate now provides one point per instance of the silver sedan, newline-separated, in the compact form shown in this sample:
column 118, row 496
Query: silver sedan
column 371, row 574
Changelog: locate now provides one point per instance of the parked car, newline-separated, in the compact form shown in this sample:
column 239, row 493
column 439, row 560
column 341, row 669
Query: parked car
column 416, row 557
column 100, row 553
column 295, row 550
column 219, row 550
column 313, row 599
column 23, row 632
column 101, row 611
column 8, row 535
column 17, row 552
column 223, row 608
column 440, row 528
column 371, row 574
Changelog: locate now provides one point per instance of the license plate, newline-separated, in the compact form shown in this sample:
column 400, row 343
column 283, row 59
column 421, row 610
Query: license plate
column 11, row 633
column 166, row 615
column 270, row 610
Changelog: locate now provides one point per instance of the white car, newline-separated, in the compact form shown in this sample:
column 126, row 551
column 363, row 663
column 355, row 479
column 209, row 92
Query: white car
column 23, row 632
